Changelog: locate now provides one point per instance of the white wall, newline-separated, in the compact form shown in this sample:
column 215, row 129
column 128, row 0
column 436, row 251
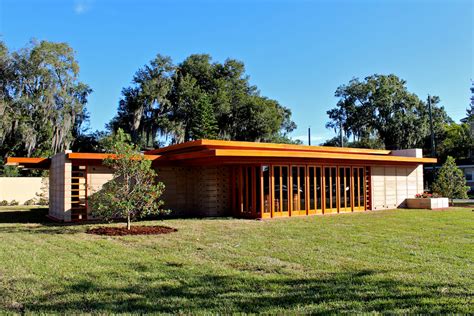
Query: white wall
column 21, row 189
column 392, row 185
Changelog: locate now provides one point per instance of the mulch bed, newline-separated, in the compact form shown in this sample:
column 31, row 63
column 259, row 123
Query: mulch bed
column 134, row 230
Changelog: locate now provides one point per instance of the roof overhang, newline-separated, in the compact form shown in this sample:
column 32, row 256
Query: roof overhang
column 28, row 162
column 101, row 156
column 204, row 144
column 217, row 151
column 232, row 156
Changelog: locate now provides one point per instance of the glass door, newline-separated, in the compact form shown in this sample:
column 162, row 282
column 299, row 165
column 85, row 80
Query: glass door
column 330, row 190
column 359, row 188
column 345, row 189
column 314, row 190
column 298, row 190
column 280, row 196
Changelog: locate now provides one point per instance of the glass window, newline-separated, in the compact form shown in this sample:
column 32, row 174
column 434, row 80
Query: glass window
column 284, row 180
column 361, row 187
column 312, row 188
column 318, row 188
column 327, row 180
column 348, row 189
column 302, row 188
column 266, row 189
column 294, row 187
column 342, row 188
column 333, row 188
column 276, row 193
column 258, row 197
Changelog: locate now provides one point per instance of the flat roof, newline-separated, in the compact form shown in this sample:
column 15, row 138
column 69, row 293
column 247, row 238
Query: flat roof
column 226, row 144
column 206, row 151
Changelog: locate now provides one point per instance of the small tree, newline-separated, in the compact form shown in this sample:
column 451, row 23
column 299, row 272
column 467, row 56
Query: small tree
column 133, row 192
column 450, row 181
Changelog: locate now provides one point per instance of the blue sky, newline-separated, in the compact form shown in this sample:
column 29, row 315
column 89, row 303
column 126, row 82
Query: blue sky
column 297, row 52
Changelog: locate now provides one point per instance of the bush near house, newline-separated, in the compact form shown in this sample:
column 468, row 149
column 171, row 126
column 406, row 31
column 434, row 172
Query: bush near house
column 450, row 181
column 4, row 203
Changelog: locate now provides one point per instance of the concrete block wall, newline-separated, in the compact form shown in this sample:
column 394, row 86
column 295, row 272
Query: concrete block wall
column 22, row 189
column 392, row 185
column 59, row 187
column 196, row 191
column 97, row 176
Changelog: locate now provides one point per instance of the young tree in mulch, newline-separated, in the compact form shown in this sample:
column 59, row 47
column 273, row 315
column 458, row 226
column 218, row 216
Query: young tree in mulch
column 450, row 181
column 133, row 192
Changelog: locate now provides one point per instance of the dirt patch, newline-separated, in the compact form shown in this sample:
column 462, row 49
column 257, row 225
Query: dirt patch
column 134, row 230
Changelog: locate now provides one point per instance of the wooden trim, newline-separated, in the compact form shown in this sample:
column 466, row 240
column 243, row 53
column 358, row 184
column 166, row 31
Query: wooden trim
column 322, row 155
column 99, row 156
column 262, row 197
column 214, row 144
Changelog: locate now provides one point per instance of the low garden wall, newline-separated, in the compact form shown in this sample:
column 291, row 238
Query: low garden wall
column 22, row 189
column 428, row 203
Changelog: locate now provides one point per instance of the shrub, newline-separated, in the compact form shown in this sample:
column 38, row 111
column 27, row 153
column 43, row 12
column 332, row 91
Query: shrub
column 14, row 203
column 43, row 201
column 4, row 203
column 450, row 181
column 30, row 202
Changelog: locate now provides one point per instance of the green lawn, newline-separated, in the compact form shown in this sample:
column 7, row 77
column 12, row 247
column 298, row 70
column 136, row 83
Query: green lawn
column 404, row 261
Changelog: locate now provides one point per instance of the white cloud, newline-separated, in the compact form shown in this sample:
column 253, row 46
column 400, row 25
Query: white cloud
column 82, row 6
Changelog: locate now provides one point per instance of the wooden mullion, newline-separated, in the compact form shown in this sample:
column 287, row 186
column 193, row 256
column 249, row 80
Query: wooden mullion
column 262, row 197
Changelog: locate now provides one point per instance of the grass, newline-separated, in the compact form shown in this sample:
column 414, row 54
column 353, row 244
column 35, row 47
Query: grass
column 402, row 261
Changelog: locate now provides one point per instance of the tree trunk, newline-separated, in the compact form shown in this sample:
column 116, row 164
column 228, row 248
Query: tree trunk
column 128, row 222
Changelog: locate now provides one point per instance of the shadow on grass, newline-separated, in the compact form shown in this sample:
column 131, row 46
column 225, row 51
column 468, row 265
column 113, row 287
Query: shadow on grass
column 31, row 216
column 353, row 291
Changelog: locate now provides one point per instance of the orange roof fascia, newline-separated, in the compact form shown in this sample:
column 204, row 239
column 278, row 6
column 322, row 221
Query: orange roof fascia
column 14, row 161
column 100, row 156
column 320, row 155
column 224, row 144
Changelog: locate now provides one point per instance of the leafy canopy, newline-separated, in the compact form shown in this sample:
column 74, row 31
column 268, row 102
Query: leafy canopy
column 450, row 181
column 381, row 107
column 198, row 98
column 133, row 192
column 42, row 101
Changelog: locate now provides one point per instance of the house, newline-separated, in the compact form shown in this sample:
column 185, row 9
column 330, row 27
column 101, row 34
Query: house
column 245, row 179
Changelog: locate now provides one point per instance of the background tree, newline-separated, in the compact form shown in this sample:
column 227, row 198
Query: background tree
column 172, row 101
column 381, row 107
column 42, row 102
column 456, row 141
column 133, row 192
column 450, row 181
column 204, row 124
